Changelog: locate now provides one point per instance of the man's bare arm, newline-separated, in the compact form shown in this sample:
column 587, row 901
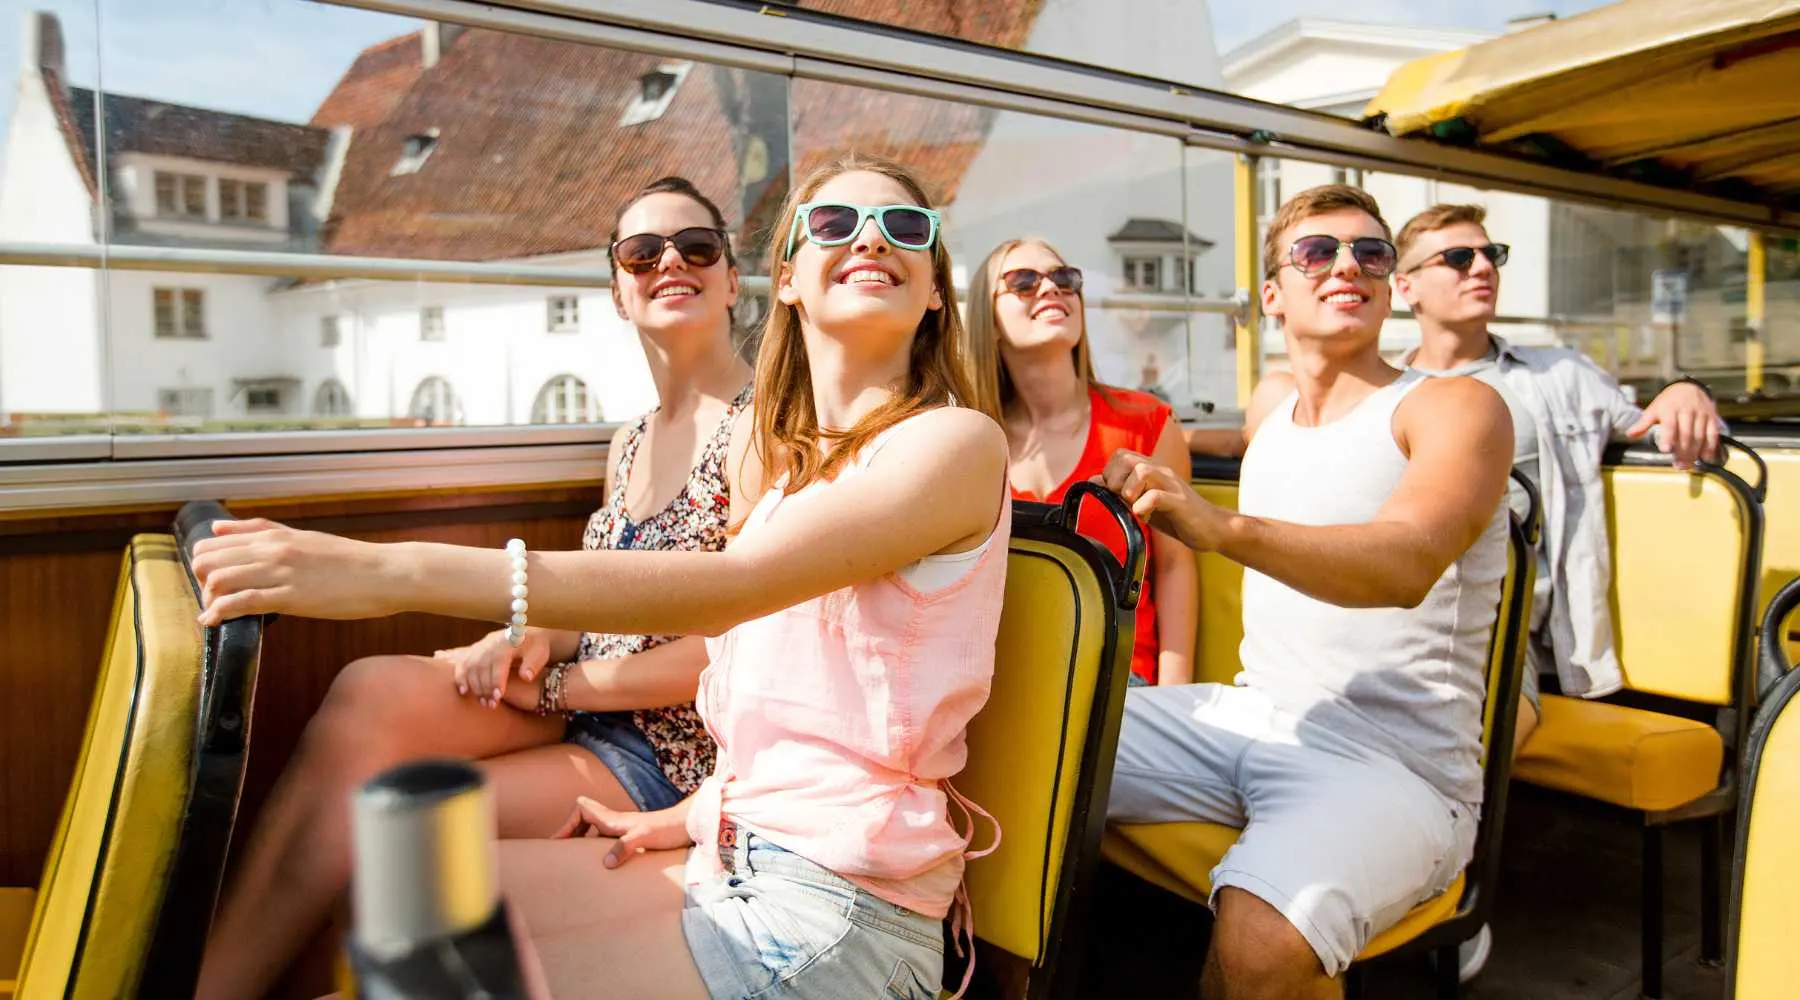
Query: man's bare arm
column 1458, row 437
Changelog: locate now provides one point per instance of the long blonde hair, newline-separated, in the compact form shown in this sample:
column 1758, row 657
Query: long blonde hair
column 993, row 386
column 787, row 431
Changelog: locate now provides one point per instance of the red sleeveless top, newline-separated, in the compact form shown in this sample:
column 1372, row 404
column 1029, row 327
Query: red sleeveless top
column 1131, row 420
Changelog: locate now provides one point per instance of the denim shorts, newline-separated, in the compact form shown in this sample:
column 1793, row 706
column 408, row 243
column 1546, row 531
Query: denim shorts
column 774, row 925
column 626, row 752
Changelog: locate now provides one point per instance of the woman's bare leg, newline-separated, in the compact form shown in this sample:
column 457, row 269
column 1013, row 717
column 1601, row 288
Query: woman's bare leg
column 380, row 712
column 597, row 932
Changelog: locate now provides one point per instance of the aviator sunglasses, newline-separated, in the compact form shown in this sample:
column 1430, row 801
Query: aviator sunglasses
column 1463, row 258
column 830, row 224
column 1025, row 280
column 700, row 246
column 1314, row 255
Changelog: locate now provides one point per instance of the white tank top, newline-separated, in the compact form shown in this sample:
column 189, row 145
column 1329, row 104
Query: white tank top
column 1407, row 682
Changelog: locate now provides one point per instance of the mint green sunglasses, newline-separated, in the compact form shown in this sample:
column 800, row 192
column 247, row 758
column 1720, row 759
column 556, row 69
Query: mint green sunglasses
column 833, row 223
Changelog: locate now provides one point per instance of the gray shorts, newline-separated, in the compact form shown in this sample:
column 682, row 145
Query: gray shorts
column 777, row 926
column 1342, row 840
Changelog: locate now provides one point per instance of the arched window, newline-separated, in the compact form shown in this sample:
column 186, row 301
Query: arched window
column 332, row 400
column 564, row 400
column 435, row 403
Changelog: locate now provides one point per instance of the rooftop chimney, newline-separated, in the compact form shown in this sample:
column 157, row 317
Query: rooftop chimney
column 44, row 44
column 1525, row 21
column 436, row 39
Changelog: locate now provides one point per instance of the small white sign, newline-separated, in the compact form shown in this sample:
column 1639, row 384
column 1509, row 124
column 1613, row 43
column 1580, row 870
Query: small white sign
column 1668, row 296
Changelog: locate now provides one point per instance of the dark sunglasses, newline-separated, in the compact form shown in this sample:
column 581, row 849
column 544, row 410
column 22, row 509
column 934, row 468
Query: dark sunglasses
column 1314, row 255
column 1463, row 258
column 698, row 245
column 829, row 224
column 1025, row 280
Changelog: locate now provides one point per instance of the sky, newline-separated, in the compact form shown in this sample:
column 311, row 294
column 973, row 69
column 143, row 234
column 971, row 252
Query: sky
column 279, row 58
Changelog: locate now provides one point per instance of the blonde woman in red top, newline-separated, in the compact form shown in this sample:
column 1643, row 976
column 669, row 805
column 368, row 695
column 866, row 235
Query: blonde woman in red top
column 1028, row 345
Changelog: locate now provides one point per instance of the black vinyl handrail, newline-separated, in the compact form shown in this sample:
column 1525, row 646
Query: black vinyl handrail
column 1645, row 453
column 1130, row 577
column 232, row 657
column 1772, row 658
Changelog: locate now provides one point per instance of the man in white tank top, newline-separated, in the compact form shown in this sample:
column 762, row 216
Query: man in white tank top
column 1373, row 536
column 1565, row 411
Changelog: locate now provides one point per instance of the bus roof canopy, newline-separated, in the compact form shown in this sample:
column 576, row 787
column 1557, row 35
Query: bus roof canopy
column 1701, row 96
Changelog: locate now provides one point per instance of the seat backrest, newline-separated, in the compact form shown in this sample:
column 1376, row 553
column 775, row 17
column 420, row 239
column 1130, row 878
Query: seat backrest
column 114, row 844
column 1686, row 552
column 1041, row 750
column 1219, row 629
column 133, row 871
column 1778, row 447
column 1764, row 918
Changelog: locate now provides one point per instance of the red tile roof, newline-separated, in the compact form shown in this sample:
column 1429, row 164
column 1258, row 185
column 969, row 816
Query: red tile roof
column 373, row 84
column 530, row 158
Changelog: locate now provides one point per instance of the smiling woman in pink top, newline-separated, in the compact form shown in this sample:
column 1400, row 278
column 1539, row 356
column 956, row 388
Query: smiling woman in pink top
column 853, row 619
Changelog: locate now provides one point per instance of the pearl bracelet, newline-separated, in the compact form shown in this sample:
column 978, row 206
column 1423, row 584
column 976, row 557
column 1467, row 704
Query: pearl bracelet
column 515, row 632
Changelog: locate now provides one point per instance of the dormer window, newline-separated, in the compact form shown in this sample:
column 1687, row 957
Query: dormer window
column 417, row 150
column 654, row 92
column 1157, row 255
column 180, row 196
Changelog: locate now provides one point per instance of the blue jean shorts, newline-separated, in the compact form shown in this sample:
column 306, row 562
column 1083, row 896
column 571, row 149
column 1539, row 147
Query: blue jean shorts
column 776, row 926
column 626, row 752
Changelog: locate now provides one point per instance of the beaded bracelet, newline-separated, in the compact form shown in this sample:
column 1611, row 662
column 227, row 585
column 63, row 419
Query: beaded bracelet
column 551, row 695
column 515, row 632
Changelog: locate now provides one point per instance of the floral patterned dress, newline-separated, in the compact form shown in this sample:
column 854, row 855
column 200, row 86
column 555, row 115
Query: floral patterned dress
column 694, row 520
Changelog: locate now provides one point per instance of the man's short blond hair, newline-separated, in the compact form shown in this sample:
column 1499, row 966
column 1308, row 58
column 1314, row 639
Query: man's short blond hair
column 1314, row 201
column 1435, row 218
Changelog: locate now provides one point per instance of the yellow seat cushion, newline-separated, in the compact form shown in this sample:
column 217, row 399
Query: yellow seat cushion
column 1626, row 756
column 1180, row 857
column 15, row 923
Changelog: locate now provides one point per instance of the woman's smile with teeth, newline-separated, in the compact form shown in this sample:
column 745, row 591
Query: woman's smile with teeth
column 1056, row 307
column 672, row 291
column 869, row 276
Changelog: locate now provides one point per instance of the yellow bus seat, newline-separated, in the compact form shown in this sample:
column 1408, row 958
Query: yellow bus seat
column 15, row 921
column 1777, row 451
column 133, row 870
column 1686, row 550
column 1180, row 857
column 1041, row 750
column 1627, row 756
column 1762, row 962
column 1219, row 627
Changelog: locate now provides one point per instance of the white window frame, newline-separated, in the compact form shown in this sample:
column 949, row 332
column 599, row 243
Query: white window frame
column 564, row 399
column 276, row 408
column 181, row 185
column 563, row 314
column 431, row 324
column 442, row 407
column 331, row 330
column 1135, row 265
column 179, row 402
column 333, row 392
column 644, row 108
column 186, row 313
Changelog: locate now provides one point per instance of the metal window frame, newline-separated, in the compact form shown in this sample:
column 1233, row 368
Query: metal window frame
column 822, row 46
column 803, row 45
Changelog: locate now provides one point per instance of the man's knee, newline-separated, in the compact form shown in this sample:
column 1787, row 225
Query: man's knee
column 1260, row 953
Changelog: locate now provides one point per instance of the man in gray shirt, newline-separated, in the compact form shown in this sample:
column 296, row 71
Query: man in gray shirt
column 1565, row 411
